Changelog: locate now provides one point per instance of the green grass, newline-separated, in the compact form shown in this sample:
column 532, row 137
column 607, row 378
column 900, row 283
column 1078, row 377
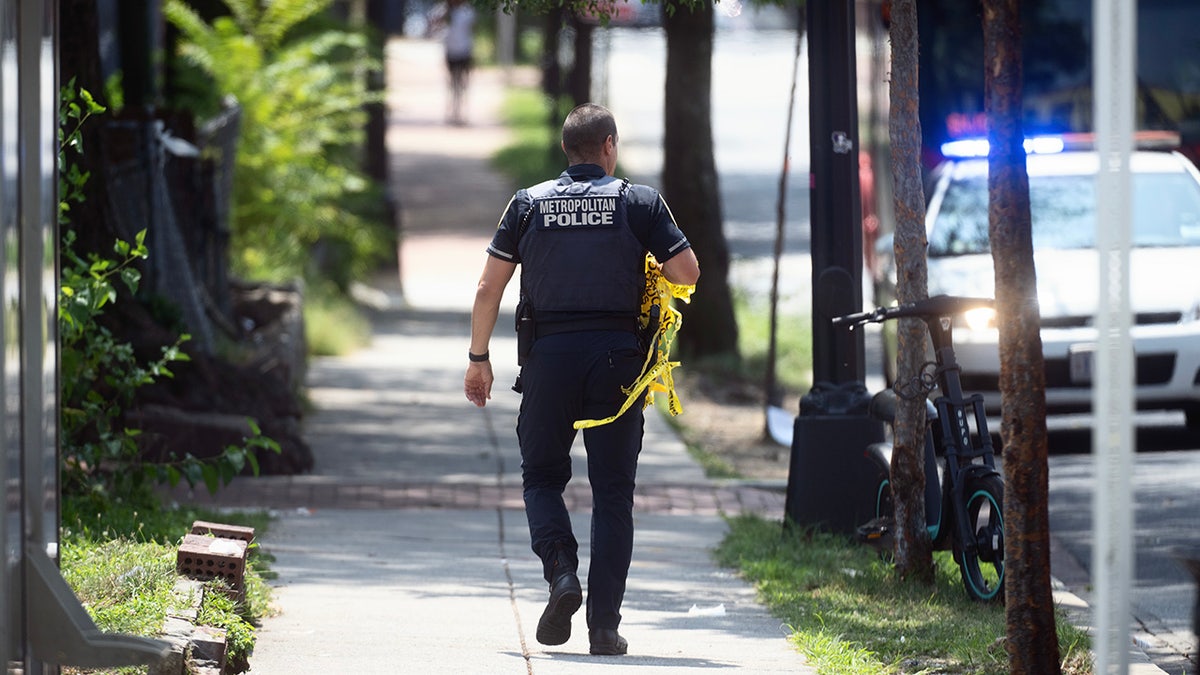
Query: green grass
column 713, row 464
column 334, row 324
column 534, row 154
column 120, row 561
column 793, row 369
column 793, row 346
column 125, row 585
column 849, row 614
column 221, row 611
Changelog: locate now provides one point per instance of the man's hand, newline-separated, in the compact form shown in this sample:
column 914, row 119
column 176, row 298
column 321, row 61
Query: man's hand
column 478, row 383
column 496, row 274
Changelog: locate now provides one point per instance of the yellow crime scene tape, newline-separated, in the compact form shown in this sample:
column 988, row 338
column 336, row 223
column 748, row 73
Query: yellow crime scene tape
column 656, row 371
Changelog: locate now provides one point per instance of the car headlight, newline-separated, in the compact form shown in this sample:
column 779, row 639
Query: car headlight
column 980, row 318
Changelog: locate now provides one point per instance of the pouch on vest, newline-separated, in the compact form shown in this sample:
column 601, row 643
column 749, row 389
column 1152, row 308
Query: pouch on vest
column 525, row 330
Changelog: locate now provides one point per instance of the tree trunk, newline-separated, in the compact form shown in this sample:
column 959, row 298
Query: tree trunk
column 552, row 79
column 375, row 153
column 580, row 80
column 913, row 549
column 139, row 45
column 1032, row 640
column 689, row 180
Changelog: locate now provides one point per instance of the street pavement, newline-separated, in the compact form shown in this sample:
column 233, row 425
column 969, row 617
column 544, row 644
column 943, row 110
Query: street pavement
column 405, row 550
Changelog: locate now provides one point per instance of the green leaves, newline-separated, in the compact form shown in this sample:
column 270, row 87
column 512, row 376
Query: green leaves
column 86, row 285
column 76, row 106
column 136, row 250
column 100, row 379
column 302, row 89
column 100, row 376
column 217, row 471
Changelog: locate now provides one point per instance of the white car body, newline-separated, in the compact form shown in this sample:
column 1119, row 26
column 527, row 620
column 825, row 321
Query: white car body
column 1164, row 284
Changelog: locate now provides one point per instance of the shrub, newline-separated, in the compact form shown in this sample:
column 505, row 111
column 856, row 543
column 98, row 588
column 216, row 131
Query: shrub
column 302, row 207
column 101, row 374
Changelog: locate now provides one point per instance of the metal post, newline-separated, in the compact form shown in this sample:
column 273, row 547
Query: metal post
column 836, row 208
column 830, row 477
column 42, row 623
column 34, row 318
column 1113, row 50
column 11, row 634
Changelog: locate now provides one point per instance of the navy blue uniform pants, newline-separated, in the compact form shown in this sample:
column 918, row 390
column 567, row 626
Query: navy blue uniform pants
column 571, row 376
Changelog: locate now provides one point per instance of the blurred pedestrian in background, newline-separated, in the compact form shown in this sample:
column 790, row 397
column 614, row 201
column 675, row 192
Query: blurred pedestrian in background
column 455, row 21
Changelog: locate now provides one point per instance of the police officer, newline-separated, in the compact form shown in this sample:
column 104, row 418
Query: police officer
column 581, row 242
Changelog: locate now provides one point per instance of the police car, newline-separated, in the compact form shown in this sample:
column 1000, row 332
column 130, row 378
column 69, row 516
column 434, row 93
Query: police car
column 1164, row 270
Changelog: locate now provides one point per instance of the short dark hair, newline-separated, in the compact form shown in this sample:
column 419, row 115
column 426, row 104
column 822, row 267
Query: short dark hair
column 585, row 130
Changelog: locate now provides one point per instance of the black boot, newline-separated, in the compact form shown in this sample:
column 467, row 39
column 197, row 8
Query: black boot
column 566, row 595
column 606, row 642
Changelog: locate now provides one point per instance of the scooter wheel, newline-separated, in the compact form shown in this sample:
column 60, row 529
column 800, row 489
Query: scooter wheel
column 981, row 560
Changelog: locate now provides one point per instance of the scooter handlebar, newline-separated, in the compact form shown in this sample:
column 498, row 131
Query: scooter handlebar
column 857, row 319
column 938, row 305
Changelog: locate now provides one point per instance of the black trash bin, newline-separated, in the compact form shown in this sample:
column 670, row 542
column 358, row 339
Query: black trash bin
column 833, row 477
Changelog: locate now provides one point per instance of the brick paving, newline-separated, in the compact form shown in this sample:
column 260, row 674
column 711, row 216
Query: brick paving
column 319, row 492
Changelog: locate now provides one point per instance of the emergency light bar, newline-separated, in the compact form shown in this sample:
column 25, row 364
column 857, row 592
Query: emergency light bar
column 978, row 147
column 1048, row 145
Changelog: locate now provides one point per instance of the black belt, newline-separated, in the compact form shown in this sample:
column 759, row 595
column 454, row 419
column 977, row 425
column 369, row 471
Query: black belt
column 623, row 323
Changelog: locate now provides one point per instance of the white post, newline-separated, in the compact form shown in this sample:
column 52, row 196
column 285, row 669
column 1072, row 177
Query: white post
column 506, row 41
column 1113, row 50
column 11, row 516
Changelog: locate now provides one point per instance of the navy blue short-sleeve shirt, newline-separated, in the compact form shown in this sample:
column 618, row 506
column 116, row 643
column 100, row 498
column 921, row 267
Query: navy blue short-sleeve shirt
column 649, row 219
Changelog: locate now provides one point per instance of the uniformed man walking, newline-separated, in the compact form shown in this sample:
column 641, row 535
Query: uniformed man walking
column 581, row 241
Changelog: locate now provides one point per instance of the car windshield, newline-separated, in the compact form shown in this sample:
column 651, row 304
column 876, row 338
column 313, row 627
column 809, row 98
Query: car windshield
column 1166, row 212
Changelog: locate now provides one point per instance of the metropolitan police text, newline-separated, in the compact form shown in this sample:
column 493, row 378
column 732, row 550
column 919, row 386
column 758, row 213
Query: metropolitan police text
column 577, row 211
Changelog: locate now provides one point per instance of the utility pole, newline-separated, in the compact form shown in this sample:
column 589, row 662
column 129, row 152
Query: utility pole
column 827, row 464
column 836, row 208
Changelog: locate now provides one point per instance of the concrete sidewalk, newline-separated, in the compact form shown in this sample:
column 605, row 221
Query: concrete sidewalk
column 406, row 549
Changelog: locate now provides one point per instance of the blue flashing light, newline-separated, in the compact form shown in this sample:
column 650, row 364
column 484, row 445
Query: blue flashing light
column 965, row 147
column 978, row 147
column 1044, row 145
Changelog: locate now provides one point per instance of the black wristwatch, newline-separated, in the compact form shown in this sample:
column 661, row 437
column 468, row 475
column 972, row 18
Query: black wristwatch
column 477, row 358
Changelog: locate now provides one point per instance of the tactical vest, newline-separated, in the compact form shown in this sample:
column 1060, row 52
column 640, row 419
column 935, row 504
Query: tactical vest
column 577, row 251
